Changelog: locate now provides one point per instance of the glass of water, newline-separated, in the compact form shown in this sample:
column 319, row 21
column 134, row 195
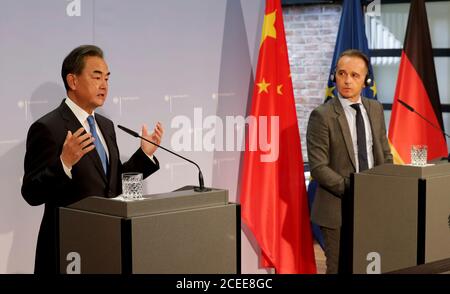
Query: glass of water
column 132, row 187
column 419, row 155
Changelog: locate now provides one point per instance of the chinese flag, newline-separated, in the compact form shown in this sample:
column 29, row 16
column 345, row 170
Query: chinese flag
column 417, row 86
column 273, row 194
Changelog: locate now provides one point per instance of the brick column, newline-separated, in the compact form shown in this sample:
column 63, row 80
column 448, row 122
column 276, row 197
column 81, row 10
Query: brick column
column 311, row 32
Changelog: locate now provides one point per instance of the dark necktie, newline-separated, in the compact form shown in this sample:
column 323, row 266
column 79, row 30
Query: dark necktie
column 361, row 138
column 98, row 144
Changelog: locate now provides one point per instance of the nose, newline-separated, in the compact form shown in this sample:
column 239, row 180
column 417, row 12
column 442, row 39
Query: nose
column 104, row 84
column 348, row 80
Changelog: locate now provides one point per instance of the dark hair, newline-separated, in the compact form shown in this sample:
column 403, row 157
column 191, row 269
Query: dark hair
column 355, row 53
column 74, row 62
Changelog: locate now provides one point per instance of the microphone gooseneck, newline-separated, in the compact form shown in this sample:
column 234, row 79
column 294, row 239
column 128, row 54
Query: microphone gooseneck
column 201, row 187
column 410, row 108
column 406, row 105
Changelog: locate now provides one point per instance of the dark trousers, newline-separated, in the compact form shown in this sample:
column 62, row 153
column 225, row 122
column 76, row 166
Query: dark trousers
column 338, row 249
column 332, row 239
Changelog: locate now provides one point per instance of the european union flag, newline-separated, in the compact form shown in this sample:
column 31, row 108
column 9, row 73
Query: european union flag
column 351, row 35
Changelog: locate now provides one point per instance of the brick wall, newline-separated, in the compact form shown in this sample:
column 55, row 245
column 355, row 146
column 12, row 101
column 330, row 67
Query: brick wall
column 311, row 32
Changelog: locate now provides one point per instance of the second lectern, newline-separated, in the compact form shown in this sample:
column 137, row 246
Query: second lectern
column 398, row 217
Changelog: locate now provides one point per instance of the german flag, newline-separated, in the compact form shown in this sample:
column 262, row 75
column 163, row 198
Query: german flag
column 417, row 86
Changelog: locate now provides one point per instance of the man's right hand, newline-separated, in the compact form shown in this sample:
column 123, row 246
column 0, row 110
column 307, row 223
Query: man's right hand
column 76, row 146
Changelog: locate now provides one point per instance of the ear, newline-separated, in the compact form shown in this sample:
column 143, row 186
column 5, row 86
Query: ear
column 72, row 81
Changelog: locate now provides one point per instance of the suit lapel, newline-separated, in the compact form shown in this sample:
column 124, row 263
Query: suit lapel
column 73, row 125
column 343, row 123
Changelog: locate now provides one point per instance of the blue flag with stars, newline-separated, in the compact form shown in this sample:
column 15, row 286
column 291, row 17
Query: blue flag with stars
column 351, row 35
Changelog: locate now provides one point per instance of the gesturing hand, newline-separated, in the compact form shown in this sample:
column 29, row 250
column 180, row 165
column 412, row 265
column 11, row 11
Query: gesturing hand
column 155, row 137
column 76, row 146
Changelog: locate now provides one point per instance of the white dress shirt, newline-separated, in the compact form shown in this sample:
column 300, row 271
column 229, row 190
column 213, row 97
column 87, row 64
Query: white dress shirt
column 350, row 114
column 82, row 116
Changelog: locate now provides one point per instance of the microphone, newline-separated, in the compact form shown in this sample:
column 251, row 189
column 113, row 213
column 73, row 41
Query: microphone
column 406, row 105
column 200, row 188
column 410, row 108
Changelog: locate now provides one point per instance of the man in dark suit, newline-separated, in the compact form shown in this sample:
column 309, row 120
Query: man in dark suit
column 345, row 135
column 72, row 153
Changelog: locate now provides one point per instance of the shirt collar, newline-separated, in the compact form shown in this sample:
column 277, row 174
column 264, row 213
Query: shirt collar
column 346, row 103
column 80, row 113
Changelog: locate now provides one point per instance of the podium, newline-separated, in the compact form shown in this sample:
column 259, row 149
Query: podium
column 181, row 232
column 398, row 217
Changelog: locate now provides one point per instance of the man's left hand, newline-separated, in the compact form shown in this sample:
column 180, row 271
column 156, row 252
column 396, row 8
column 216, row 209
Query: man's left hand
column 155, row 137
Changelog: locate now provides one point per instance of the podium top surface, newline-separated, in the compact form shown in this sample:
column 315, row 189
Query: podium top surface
column 430, row 170
column 184, row 198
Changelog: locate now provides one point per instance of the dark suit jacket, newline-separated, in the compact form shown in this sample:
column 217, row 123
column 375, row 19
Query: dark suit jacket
column 45, row 181
column 331, row 155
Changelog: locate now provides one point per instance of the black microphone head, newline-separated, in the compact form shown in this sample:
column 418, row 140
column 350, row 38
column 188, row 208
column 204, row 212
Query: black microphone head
column 127, row 130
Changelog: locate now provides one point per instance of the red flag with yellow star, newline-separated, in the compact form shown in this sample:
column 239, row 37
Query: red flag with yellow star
column 273, row 193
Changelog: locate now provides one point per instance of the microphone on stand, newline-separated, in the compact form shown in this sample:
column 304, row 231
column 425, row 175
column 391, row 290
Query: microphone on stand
column 200, row 188
column 410, row 108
